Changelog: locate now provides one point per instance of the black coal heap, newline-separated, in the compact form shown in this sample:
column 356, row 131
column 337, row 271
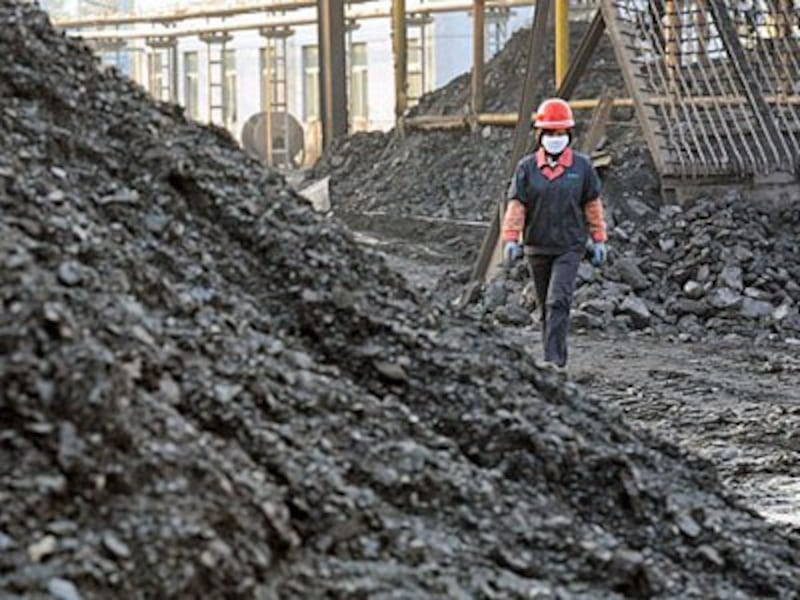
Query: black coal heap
column 207, row 391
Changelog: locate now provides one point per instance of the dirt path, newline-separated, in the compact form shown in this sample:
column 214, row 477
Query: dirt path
column 737, row 406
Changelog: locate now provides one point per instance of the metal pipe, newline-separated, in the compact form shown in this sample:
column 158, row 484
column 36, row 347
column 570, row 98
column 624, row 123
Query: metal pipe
column 267, row 82
column 357, row 14
column 173, row 70
column 332, row 73
column 182, row 15
column 562, row 40
column 478, row 28
column 498, row 119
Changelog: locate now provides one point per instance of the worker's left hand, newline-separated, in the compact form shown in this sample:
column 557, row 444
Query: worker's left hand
column 512, row 252
column 599, row 254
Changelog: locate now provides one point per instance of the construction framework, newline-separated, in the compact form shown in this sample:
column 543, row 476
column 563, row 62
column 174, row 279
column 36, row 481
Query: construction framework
column 716, row 89
column 715, row 85
column 163, row 67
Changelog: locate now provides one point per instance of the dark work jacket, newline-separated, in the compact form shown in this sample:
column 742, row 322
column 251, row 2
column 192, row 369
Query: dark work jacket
column 554, row 200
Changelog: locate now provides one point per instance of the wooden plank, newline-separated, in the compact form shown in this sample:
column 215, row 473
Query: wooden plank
column 645, row 112
column 582, row 57
column 597, row 128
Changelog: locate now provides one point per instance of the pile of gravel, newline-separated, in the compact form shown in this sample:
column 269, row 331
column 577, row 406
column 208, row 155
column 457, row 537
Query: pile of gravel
column 208, row 391
column 504, row 76
column 724, row 266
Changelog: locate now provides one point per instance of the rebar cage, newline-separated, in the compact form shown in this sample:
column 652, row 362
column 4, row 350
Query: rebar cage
column 716, row 84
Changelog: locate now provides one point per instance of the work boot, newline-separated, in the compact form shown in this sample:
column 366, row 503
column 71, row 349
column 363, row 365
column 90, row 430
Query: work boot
column 549, row 365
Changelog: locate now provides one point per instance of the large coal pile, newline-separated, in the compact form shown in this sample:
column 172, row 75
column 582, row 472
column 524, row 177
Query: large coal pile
column 723, row 266
column 461, row 175
column 449, row 174
column 207, row 391
column 505, row 75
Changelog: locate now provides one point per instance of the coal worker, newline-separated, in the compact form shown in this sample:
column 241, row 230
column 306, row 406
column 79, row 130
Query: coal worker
column 554, row 208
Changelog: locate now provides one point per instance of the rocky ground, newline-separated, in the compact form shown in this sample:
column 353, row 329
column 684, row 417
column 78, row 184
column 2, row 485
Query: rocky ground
column 726, row 266
column 207, row 390
column 736, row 405
column 692, row 330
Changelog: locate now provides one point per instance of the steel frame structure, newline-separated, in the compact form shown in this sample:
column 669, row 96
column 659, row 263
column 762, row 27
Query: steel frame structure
column 331, row 19
column 716, row 98
column 716, row 86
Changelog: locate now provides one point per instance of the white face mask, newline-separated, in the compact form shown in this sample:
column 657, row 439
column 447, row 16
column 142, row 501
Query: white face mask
column 555, row 144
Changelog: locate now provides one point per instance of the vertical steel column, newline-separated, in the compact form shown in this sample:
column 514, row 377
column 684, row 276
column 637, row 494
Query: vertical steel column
column 175, row 72
column 332, row 71
column 562, row 40
column 267, row 83
column 478, row 45
column 400, row 51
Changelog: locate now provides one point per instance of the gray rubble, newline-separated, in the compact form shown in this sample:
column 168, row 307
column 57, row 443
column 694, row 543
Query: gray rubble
column 743, row 284
column 234, row 399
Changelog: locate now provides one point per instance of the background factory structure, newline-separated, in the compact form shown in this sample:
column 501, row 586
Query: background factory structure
column 234, row 63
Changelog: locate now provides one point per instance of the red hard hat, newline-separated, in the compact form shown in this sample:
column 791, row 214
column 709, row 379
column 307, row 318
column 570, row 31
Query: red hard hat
column 554, row 114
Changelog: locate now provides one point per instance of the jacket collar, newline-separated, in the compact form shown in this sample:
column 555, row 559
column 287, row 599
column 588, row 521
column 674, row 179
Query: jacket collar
column 564, row 160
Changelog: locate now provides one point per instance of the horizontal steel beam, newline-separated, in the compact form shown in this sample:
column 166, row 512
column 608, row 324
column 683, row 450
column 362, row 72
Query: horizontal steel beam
column 499, row 119
column 354, row 14
column 183, row 15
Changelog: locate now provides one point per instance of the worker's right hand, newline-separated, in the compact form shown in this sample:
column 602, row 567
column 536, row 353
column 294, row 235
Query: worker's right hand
column 512, row 252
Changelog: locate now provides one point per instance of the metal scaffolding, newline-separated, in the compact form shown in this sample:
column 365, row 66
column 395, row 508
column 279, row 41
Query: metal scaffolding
column 417, row 55
column 496, row 29
column 710, row 86
column 216, row 45
column 275, row 96
column 162, row 68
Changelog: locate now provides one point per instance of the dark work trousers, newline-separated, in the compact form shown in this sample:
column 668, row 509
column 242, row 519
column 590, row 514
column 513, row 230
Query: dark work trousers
column 554, row 278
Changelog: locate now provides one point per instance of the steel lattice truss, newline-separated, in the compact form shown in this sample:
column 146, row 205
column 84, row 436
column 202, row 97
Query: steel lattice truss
column 717, row 83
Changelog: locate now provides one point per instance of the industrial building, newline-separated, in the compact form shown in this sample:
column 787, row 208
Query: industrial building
column 231, row 77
